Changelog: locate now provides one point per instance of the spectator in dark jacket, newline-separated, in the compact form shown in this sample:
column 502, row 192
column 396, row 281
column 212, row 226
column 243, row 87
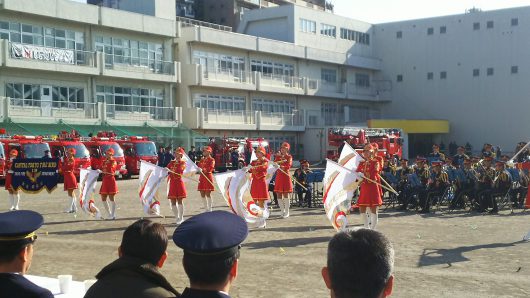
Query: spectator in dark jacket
column 160, row 156
column 135, row 273
column 168, row 157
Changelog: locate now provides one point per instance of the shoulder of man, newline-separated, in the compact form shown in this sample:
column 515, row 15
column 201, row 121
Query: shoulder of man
column 15, row 285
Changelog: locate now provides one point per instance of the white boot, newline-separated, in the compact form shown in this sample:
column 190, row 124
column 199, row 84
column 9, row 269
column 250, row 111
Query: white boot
column 180, row 213
column 368, row 217
column 262, row 223
column 74, row 206
column 373, row 220
column 210, row 204
column 287, row 205
column 281, row 203
column 70, row 206
column 107, row 208
column 204, row 204
column 364, row 218
column 11, row 202
column 174, row 209
column 96, row 210
column 16, row 200
column 112, row 210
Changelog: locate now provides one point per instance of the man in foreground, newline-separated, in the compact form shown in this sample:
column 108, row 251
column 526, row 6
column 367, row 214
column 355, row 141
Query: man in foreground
column 211, row 243
column 135, row 273
column 360, row 264
column 17, row 238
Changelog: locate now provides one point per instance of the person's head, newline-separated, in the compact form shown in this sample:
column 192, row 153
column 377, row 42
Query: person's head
column 305, row 164
column 499, row 165
column 13, row 153
column 17, row 237
column 179, row 153
column 168, row 149
column 488, row 147
column 207, row 151
column 420, row 161
column 460, row 150
column 145, row 240
column 211, row 250
column 467, row 163
column 109, row 153
column 435, row 148
column 487, row 161
column 360, row 264
column 47, row 153
column 260, row 152
column 70, row 152
column 437, row 166
column 284, row 149
column 368, row 151
column 192, row 148
column 404, row 163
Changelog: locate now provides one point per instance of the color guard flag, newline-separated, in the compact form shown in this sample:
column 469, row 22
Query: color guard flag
column 270, row 170
column 87, row 186
column 191, row 168
column 349, row 158
column 339, row 184
column 235, row 188
column 150, row 178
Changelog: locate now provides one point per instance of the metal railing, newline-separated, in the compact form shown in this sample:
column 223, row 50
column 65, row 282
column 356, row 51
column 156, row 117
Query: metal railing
column 312, row 84
column 330, row 87
column 186, row 22
column 229, row 117
column 135, row 64
column 52, row 55
column 281, row 119
column 49, row 108
column 354, row 89
column 270, row 79
column 226, row 74
column 139, row 113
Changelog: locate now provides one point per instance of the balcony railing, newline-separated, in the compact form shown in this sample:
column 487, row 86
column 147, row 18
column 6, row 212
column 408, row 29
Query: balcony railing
column 144, row 65
column 186, row 22
column 50, row 108
column 354, row 89
column 139, row 113
column 226, row 74
column 229, row 117
column 281, row 80
column 281, row 119
column 52, row 55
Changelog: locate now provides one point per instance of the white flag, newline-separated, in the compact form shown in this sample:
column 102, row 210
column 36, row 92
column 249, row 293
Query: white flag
column 349, row 158
column 235, row 188
column 270, row 170
column 339, row 184
column 87, row 187
column 191, row 168
column 149, row 182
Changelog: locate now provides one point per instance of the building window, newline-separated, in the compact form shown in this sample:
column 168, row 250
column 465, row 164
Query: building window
column 489, row 24
column 218, row 63
column 399, row 78
column 272, row 68
column 515, row 22
column 273, row 105
column 476, row 72
column 328, row 76
column 356, row 36
column 362, row 80
column 489, row 71
column 329, row 113
column 514, row 69
column 443, row 75
column 430, row 31
column 131, row 52
column 219, row 102
column 476, row 26
column 130, row 99
column 430, row 75
column 328, row 30
column 399, row 34
column 308, row 26
column 443, row 29
column 30, row 95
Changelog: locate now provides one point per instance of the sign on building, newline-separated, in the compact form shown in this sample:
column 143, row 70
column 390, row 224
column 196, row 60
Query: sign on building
column 41, row 53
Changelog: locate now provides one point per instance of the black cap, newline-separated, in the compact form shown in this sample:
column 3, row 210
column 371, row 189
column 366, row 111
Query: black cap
column 216, row 234
column 19, row 225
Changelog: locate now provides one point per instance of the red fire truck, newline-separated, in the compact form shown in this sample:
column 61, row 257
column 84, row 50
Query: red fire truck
column 225, row 151
column 135, row 150
column 97, row 146
column 64, row 142
column 389, row 140
column 27, row 146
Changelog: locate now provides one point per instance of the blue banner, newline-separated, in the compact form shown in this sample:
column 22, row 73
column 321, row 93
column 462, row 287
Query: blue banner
column 32, row 175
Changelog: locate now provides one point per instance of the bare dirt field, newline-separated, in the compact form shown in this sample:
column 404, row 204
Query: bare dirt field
column 438, row 255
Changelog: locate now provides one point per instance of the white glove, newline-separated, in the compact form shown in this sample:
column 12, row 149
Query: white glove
column 100, row 171
column 276, row 166
column 246, row 169
column 200, row 171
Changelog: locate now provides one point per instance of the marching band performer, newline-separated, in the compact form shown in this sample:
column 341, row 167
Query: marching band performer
column 304, row 196
column 109, row 188
column 500, row 185
column 14, row 196
column 283, row 185
column 258, row 188
column 370, row 193
column 438, row 181
column 70, row 182
column 205, row 187
column 177, row 189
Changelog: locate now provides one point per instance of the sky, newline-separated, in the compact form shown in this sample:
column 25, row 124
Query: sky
column 382, row 11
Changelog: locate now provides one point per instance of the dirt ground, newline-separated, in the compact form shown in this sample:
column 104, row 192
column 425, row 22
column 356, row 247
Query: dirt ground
column 438, row 255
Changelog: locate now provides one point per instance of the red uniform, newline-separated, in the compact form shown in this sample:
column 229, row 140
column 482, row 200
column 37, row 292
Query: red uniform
column 108, row 185
column 258, row 188
column 207, row 165
column 9, row 175
column 67, row 167
column 177, row 190
column 370, row 195
column 283, row 182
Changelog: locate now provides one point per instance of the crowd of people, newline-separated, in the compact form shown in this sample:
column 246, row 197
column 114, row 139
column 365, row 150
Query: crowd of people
column 359, row 262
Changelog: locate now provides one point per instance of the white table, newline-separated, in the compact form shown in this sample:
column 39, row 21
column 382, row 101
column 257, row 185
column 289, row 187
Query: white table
column 77, row 288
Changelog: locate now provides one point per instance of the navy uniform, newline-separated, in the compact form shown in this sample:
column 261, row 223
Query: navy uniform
column 500, row 185
column 458, row 159
column 436, row 186
column 486, row 174
column 18, row 228
column 465, row 184
column 212, row 236
column 436, row 155
column 420, row 177
column 405, row 184
column 304, row 196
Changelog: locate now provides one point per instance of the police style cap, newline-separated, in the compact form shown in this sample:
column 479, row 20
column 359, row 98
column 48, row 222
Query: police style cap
column 19, row 225
column 215, row 235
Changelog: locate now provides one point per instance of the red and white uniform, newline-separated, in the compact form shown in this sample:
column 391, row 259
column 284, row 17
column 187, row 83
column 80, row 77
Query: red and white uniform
column 9, row 174
column 177, row 189
column 108, row 185
column 370, row 195
column 283, row 182
column 258, row 187
column 207, row 165
column 67, row 168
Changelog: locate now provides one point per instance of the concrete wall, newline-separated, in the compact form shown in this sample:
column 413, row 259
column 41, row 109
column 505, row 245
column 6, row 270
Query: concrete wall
column 486, row 108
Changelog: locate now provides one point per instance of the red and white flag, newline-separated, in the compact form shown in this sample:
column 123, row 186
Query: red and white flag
column 87, row 187
column 151, row 176
column 349, row 158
